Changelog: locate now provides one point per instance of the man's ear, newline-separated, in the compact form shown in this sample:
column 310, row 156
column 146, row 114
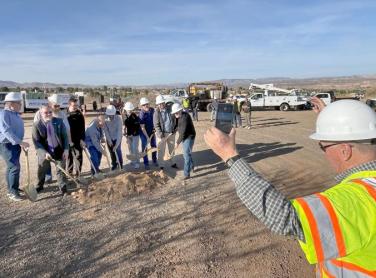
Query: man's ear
column 346, row 152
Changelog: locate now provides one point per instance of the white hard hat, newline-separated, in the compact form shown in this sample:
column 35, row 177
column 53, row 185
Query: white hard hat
column 176, row 107
column 111, row 99
column 144, row 101
column 345, row 120
column 110, row 110
column 160, row 99
column 128, row 106
column 53, row 98
column 234, row 98
column 13, row 97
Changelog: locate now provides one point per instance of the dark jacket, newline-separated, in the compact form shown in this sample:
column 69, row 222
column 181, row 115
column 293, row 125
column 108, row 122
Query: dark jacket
column 193, row 102
column 184, row 125
column 77, row 126
column 39, row 136
column 132, row 125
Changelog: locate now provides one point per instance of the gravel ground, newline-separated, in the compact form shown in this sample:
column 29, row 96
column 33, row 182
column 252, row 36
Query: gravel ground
column 194, row 229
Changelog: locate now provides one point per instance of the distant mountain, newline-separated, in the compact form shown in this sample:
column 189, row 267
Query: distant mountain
column 354, row 81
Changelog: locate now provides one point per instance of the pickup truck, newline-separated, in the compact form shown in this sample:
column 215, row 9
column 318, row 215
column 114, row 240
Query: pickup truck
column 281, row 102
column 329, row 97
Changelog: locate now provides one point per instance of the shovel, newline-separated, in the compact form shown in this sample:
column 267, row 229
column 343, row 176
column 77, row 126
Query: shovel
column 146, row 151
column 65, row 172
column 30, row 191
column 117, row 161
column 97, row 175
column 168, row 156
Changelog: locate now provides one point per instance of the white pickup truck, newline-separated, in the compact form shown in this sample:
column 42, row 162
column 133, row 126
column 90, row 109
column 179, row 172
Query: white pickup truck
column 276, row 101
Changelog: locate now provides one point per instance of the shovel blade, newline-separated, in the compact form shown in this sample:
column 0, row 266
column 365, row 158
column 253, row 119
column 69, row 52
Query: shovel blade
column 31, row 193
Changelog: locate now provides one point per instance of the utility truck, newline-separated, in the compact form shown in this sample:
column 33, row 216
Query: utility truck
column 32, row 101
column 269, row 96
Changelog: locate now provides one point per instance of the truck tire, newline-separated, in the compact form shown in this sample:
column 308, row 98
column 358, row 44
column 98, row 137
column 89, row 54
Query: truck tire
column 209, row 107
column 284, row 107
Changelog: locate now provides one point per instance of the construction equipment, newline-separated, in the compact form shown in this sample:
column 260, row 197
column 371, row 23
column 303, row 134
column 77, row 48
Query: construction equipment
column 97, row 175
column 30, row 191
column 205, row 92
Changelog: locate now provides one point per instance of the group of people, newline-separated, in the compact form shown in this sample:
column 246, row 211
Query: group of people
column 60, row 138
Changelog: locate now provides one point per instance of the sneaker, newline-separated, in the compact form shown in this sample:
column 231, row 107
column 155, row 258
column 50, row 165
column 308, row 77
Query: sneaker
column 39, row 188
column 14, row 197
column 174, row 166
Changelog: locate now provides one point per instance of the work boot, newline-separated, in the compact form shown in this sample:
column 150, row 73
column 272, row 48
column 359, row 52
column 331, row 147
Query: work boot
column 15, row 197
column 63, row 190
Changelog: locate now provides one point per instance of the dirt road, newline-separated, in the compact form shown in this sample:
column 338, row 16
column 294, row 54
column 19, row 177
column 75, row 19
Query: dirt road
column 200, row 229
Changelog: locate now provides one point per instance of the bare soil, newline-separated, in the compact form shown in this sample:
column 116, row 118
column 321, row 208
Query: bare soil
column 163, row 227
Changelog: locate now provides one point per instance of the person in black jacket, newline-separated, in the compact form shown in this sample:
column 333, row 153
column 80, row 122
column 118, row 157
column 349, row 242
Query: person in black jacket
column 77, row 128
column 187, row 134
column 51, row 142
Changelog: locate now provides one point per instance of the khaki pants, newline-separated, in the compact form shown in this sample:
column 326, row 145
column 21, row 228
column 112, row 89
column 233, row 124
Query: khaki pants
column 162, row 144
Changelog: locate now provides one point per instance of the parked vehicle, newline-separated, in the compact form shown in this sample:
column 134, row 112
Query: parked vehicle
column 283, row 103
column 205, row 91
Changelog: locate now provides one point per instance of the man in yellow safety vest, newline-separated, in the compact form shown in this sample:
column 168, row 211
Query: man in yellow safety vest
column 336, row 228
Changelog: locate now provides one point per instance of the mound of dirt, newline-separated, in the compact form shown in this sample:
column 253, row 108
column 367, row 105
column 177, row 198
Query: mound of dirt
column 113, row 189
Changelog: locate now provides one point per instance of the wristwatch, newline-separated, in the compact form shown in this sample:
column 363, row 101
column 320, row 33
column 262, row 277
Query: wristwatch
column 229, row 162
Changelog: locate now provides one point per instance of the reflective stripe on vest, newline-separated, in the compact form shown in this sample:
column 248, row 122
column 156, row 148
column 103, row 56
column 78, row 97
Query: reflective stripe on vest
column 369, row 184
column 326, row 233
column 337, row 268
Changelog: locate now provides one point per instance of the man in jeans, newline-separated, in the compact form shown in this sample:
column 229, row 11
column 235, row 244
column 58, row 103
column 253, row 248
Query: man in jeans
column 147, row 131
column 164, row 127
column 11, row 140
column 51, row 143
column 93, row 136
column 187, row 133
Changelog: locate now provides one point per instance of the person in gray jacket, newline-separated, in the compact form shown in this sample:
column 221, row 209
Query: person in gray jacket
column 164, row 128
column 51, row 143
column 93, row 137
column 113, row 130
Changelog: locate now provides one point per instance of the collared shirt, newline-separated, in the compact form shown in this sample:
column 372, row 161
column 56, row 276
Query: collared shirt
column 12, row 128
column 146, row 118
column 268, row 204
column 93, row 136
column 113, row 129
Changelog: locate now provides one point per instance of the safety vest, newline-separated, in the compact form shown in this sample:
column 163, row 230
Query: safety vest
column 186, row 103
column 339, row 227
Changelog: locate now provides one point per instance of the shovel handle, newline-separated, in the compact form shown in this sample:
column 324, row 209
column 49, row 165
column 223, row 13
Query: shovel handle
column 65, row 172
column 89, row 158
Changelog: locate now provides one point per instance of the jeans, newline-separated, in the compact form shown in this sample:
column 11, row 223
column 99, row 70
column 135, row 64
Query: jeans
column 113, row 156
column 11, row 154
column 153, row 144
column 43, row 167
column 96, row 157
column 187, row 154
column 213, row 115
column 195, row 114
column 237, row 121
column 133, row 143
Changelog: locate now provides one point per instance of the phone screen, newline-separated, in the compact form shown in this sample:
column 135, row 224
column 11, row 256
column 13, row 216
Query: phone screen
column 224, row 117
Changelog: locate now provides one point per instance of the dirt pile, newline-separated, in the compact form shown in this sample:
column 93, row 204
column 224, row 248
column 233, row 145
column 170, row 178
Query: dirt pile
column 113, row 189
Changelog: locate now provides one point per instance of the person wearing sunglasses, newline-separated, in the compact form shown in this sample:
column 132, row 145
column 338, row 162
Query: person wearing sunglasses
column 336, row 228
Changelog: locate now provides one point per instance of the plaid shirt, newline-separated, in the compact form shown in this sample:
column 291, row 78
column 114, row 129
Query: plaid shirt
column 268, row 204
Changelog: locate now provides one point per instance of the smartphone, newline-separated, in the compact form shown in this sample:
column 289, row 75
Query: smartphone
column 224, row 117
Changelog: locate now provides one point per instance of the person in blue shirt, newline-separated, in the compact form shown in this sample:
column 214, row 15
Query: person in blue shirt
column 11, row 141
column 94, row 134
column 147, row 131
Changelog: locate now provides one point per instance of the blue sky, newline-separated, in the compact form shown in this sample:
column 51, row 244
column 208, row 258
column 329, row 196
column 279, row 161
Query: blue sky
column 156, row 42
